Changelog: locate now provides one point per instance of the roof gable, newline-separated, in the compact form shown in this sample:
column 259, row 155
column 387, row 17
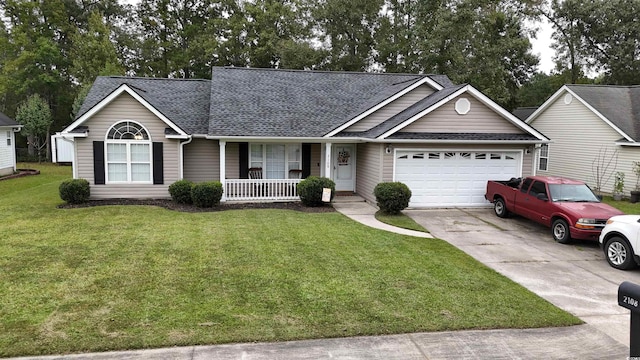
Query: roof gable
column 182, row 104
column 439, row 99
column 617, row 106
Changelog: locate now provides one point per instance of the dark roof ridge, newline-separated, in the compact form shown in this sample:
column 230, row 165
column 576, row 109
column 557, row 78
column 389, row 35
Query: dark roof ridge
column 605, row 85
column 151, row 78
column 324, row 71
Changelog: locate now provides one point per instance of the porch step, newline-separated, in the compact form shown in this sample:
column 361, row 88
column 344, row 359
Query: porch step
column 347, row 197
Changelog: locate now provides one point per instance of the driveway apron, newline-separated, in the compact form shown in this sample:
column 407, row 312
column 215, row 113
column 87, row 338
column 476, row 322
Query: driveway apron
column 574, row 277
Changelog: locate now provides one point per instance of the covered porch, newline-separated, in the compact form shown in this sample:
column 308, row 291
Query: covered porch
column 268, row 169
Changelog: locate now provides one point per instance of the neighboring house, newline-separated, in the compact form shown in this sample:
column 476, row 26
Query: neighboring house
column 8, row 128
column 259, row 131
column 589, row 127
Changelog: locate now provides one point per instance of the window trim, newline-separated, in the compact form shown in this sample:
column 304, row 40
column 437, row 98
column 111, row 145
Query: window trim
column 543, row 157
column 263, row 159
column 129, row 162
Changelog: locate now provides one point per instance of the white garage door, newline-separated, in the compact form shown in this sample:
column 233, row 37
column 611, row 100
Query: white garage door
column 453, row 178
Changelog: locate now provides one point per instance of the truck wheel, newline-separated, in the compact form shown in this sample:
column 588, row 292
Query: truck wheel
column 560, row 231
column 500, row 208
column 619, row 254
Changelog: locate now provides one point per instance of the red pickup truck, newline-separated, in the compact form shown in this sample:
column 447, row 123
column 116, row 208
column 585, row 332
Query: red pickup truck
column 568, row 206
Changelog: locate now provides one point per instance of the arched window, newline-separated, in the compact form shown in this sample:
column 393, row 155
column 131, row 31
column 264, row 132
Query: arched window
column 128, row 153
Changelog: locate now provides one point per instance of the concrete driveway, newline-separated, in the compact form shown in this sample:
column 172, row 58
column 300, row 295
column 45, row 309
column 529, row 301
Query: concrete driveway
column 574, row 277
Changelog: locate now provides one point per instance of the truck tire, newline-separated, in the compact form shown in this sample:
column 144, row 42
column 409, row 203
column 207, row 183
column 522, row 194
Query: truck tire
column 500, row 208
column 619, row 253
column 560, row 231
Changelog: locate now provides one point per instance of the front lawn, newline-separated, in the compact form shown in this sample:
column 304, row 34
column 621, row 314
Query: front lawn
column 128, row 277
column 623, row 205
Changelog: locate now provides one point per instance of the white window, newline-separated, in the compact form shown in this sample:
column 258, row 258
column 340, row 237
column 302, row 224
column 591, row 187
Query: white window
column 8, row 138
column 543, row 158
column 128, row 154
column 276, row 160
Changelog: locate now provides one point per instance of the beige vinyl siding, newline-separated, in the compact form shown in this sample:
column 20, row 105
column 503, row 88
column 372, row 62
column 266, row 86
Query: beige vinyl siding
column 125, row 107
column 232, row 162
column 202, row 160
column 527, row 163
column 369, row 169
column 391, row 109
column 577, row 137
column 316, row 157
column 388, row 159
column 479, row 119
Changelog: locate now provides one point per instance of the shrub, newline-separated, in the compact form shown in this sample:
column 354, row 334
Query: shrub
column 392, row 197
column 75, row 191
column 206, row 194
column 310, row 190
column 180, row 191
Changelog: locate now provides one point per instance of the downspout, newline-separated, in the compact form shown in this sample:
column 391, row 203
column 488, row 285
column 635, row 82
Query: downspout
column 182, row 144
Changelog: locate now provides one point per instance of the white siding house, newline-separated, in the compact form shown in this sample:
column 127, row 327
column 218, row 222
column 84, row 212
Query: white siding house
column 8, row 127
column 594, row 133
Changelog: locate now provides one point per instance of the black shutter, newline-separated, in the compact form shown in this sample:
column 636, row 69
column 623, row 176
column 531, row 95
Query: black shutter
column 306, row 160
column 98, row 162
column 244, row 160
column 158, row 163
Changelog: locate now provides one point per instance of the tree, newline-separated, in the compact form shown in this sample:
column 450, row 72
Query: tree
column 92, row 51
column 35, row 115
column 347, row 29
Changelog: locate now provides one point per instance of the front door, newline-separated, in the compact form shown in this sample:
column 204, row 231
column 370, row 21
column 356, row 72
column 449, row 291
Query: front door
column 344, row 167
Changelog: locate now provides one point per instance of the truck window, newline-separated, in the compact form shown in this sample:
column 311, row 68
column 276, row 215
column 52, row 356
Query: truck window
column 525, row 185
column 538, row 188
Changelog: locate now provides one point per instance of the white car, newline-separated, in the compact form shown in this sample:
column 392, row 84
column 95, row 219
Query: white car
column 620, row 240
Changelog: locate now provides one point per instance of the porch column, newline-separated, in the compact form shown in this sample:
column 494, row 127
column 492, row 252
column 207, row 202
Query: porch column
column 327, row 161
column 223, row 167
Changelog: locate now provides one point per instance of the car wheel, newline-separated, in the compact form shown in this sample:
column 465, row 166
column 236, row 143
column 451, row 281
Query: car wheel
column 619, row 253
column 500, row 208
column 560, row 231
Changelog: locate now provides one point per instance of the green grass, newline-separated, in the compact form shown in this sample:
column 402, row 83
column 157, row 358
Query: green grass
column 623, row 205
column 128, row 277
column 400, row 220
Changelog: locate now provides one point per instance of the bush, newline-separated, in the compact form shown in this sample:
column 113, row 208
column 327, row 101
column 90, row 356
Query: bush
column 75, row 191
column 180, row 191
column 310, row 190
column 206, row 194
column 392, row 197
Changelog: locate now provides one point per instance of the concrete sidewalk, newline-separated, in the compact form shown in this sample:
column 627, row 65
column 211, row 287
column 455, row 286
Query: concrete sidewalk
column 575, row 342
column 364, row 213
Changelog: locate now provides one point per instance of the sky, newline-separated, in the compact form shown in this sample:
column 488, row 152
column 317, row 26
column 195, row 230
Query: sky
column 541, row 47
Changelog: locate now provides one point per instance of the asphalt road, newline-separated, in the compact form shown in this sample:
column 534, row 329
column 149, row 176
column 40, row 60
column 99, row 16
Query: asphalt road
column 574, row 277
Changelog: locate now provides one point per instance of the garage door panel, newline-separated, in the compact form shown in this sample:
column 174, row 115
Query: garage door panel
column 439, row 178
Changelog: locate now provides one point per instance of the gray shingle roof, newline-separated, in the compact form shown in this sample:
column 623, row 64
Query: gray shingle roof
column 6, row 121
column 619, row 104
column 290, row 103
column 523, row 113
column 184, row 102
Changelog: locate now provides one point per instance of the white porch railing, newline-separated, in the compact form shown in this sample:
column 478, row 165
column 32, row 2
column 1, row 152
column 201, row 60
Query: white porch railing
column 261, row 189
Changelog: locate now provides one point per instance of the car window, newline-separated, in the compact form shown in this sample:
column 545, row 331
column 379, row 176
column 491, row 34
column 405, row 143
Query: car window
column 538, row 188
column 571, row 192
column 525, row 185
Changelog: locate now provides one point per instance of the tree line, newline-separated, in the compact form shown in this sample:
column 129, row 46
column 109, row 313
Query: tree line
column 56, row 48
